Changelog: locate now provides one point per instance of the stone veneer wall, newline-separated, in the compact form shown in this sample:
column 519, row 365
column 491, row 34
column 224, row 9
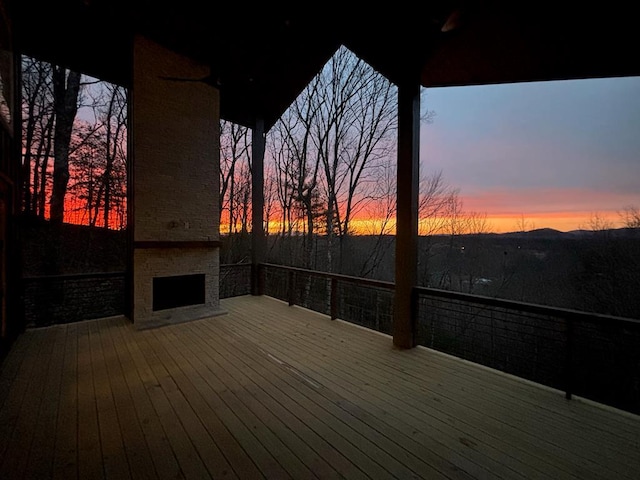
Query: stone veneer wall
column 175, row 180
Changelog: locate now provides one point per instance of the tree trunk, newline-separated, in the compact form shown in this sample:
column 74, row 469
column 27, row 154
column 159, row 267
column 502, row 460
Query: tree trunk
column 40, row 191
column 66, row 89
column 110, row 153
column 308, row 247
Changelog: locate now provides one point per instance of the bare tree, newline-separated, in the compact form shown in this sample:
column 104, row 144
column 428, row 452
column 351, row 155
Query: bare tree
column 98, row 175
column 329, row 144
column 86, row 165
column 298, row 164
column 598, row 222
column 380, row 225
column 281, row 166
column 282, row 171
column 243, row 197
column 37, row 126
column 524, row 224
column 356, row 138
column 437, row 202
column 630, row 216
column 97, row 159
column 270, row 197
column 477, row 223
column 114, row 121
column 235, row 179
column 442, row 223
column 66, row 90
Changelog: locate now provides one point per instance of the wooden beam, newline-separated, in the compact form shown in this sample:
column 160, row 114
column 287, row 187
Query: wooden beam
column 406, row 267
column 257, row 205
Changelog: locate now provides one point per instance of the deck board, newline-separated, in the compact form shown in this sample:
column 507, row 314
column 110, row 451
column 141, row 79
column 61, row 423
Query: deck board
column 320, row 455
column 278, row 392
column 338, row 408
column 399, row 411
column 16, row 389
column 161, row 454
column 65, row 463
column 133, row 439
column 169, row 405
column 42, row 447
column 366, row 455
column 245, row 425
column 487, row 428
column 16, row 456
column 234, row 457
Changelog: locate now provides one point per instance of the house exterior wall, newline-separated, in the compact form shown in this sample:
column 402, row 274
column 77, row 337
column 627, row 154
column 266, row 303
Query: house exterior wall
column 11, row 321
column 175, row 180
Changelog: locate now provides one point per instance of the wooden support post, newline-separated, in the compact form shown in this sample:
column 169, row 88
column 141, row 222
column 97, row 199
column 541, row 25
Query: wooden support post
column 406, row 266
column 258, row 239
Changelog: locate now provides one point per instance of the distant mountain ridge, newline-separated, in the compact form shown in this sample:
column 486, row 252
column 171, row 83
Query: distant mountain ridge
column 580, row 233
column 537, row 233
column 551, row 233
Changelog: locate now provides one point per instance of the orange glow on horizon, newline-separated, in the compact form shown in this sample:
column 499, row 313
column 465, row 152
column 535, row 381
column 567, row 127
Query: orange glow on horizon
column 75, row 213
column 510, row 222
column 495, row 223
column 562, row 221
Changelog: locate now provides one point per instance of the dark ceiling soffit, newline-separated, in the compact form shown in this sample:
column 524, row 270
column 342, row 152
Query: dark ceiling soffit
column 549, row 41
column 261, row 62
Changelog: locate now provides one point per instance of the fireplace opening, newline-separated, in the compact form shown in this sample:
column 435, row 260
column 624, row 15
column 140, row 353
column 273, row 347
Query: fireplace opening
column 178, row 291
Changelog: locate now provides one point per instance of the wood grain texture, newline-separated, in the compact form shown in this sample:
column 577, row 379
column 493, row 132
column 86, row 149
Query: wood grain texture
column 278, row 392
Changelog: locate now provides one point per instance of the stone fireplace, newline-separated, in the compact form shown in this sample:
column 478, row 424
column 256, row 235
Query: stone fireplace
column 175, row 185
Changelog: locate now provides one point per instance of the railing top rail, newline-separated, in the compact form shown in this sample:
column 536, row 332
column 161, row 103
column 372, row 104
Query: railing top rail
column 74, row 276
column 527, row 307
column 472, row 298
column 239, row 264
column 344, row 278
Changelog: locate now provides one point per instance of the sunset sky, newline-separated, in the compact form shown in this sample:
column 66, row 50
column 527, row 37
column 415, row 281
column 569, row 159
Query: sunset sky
column 553, row 153
column 549, row 154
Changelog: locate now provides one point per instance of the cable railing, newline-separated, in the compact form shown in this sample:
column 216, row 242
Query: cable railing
column 357, row 300
column 235, row 279
column 590, row 355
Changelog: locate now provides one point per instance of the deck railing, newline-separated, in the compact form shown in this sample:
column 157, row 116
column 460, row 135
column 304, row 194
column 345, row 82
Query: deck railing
column 53, row 299
column 235, row 279
column 358, row 300
column 593, row 356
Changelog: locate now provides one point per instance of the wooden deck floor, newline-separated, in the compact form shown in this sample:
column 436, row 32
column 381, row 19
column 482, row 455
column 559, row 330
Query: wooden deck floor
column 271, row 391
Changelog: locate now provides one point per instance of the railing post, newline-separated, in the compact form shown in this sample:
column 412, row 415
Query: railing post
column 568, row 367
column 415, row 313
column 334, row 298
column 292, row 289
column 261, row 275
